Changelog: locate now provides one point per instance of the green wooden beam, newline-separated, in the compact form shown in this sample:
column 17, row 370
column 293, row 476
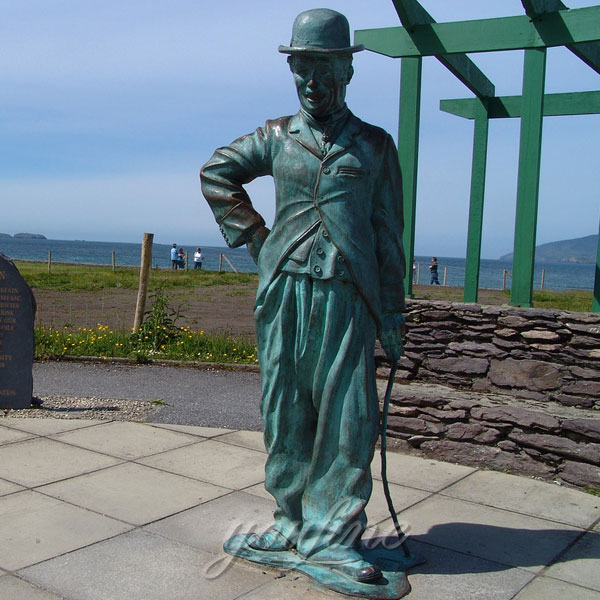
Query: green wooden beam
column 534, row 74
column 596, row 302
column 408, row 154
column 588, row 52
column 501, row 107
column 473, row 261
column 411, row 13
column 485, row 35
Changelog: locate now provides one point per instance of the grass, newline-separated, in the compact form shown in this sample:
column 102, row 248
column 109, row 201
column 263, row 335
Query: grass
column 181, row 343
column 90, row 278
column 574, row 300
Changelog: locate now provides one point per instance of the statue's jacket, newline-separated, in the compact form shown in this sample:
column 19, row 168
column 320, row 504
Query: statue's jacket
column 353, row 193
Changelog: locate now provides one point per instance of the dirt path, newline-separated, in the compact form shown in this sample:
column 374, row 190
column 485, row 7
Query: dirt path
column 216, row 308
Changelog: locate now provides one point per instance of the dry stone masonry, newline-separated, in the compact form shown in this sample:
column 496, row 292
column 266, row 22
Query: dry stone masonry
column 502, row 387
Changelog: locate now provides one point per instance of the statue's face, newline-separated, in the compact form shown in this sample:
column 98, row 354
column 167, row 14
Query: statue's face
column 321, row 82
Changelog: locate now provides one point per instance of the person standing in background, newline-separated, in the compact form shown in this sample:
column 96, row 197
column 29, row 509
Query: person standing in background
column 198, row 258
column 174, row 258
column 433, row 267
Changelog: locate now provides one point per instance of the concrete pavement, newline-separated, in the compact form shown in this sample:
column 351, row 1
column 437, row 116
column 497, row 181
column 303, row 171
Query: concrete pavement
column 101, row 510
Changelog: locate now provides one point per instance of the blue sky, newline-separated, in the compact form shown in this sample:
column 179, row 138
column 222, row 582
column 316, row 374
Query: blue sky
column 109, row 109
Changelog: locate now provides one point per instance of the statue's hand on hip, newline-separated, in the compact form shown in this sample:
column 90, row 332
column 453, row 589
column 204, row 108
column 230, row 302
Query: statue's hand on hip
column 256, row 242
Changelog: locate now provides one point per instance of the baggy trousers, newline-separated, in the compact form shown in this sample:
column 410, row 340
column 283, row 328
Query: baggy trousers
column 319, row 405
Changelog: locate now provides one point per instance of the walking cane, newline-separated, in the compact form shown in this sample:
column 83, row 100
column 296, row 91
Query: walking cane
column 386, row 487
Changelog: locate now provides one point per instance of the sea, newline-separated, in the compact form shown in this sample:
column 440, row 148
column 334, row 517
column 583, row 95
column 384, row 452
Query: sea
column 557, row 276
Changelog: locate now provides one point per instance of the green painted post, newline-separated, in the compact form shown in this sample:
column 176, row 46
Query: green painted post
column 408, row 155
column 528, row 183
column 596, row 302
column 480, row 142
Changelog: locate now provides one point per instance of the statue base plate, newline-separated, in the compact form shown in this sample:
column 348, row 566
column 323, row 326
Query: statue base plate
column 393, row 563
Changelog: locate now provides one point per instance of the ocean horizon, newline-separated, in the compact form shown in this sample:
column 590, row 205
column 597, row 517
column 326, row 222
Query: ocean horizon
column 558, row 276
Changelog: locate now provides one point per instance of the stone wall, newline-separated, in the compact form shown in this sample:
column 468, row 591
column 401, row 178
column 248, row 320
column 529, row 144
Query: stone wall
column 522, row 389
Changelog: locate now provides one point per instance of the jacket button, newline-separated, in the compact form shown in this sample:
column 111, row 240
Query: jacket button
column 317, row 269
column 325, row 235
column 340, row 273
column 320, row 251
column 340, row 259
column 326, row 170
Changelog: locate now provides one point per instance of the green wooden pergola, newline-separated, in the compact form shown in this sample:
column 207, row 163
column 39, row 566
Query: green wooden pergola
column 546, row 23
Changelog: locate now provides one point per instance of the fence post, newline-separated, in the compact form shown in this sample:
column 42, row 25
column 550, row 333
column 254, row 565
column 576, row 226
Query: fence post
column 445, row 275
column 186, row 260
column 418, row 273
column 229, row 263
column 49, row 261
column 543, row 279
column 220, row 262
column 114, row 261
column 143, row 286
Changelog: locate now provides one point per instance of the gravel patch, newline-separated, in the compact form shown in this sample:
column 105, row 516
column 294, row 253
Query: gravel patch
column 68, row 407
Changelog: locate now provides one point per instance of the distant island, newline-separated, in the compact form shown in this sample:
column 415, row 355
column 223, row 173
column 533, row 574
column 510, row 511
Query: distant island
column 578, row 250
column 5, row 235
column 30, row 236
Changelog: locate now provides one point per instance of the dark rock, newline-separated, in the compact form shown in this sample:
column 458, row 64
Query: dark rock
column 508, row 344
column 589, row 428
column 477, row 455
column 587, row 388
column 582, row 373
column 540, row 335
column 558, row 445
column 414, row 426
column 436, row 315
column 460, row 366
column 567, row 400
column 403, row 411
column 582, row 341
column 530, row 374
column 467, row 308
column 529, row 395
column 576, row 317
column 517, row 416
column 580, row 474
column 509, row 446
column 417, row 440
column 507, row 333
column 472, row 432
column 481, row 385
column 462, row 404
column 445, row 415
column 588, row 329
column 443, row 335
column 476, row 349
column 514, row 322
column 17, row 313
column 416, row 399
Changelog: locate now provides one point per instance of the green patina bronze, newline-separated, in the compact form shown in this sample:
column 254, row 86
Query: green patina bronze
column 331, row 274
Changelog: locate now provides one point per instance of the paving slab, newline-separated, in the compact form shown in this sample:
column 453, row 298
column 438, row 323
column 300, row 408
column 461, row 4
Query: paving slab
column 47, row 426
column 215, row 462
column 546, row 588
column 402, row 498
column 448, row 575
column 133, row 493
column 41, row 461
column 421, row 473
column 489, row 533
column 581, row 563
column 8, row 435
column 34, row 528
column 6, row 487
column 207, row 432
column 208, row 526
column 529, row 497
column 247, row 439
column 13, row 588
column 139, row 566
column 126, row 440
column 290, row 586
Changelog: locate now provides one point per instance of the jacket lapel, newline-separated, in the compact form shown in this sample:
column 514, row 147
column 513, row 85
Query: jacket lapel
column 345, row 137
column 300, row 131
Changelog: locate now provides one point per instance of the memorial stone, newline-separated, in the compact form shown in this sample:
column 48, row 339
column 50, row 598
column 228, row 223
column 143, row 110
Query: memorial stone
column 17, row 312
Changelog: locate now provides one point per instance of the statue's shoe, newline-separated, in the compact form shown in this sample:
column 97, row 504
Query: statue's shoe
column 271, row 541
column 348, row 562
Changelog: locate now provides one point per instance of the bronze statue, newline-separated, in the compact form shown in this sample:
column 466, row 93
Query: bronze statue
column 331, row 275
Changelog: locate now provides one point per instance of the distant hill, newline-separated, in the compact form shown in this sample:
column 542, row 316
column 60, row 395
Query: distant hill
column 5, row 235
column 578, row 250
column 30, row 236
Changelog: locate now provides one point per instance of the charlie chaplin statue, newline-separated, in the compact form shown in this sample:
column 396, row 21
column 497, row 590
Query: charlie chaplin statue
column 330, row 283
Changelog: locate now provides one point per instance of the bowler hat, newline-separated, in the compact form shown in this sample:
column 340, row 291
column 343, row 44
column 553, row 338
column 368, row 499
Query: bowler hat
column 320, row 31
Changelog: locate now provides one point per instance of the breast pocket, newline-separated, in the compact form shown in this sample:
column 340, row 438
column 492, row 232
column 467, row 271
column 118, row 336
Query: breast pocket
column 350, row 172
